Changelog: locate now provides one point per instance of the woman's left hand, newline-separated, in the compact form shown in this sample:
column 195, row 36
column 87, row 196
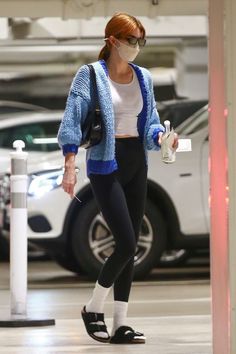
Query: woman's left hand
column 175, row 142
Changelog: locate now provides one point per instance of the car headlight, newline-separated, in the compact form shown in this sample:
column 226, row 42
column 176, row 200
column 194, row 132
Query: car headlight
column 43, row 183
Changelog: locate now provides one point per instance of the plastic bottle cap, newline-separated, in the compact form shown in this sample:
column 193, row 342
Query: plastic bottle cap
column 167, row 126
column 18, row 145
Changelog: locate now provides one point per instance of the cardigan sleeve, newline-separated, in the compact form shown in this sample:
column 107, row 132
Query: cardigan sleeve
column 154, row 126
column 77, row 106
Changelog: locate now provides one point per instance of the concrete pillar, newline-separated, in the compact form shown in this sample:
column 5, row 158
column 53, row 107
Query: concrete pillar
column 218, row 180
column 230, row 62
column 222, row 58
column 4, row 28
column 191, row 62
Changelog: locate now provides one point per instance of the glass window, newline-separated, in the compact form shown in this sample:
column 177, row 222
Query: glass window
column 40, row 136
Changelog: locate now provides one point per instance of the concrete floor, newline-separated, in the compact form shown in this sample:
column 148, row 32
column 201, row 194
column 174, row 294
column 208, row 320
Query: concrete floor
column 174, row 315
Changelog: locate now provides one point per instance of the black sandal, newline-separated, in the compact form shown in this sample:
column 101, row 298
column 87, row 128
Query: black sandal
column 126, row 335
column 90, row 319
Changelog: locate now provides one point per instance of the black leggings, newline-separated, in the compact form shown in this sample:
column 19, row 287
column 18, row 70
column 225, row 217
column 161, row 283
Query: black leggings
column 121, row 198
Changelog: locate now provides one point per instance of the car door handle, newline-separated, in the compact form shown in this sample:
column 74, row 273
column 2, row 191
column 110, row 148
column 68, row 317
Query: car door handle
column 188, row 174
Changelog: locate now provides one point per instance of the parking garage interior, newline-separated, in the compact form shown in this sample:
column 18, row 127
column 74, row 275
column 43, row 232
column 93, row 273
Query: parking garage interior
column 42, row 45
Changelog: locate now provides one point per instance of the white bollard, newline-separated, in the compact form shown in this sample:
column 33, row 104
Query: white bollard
column 18, row 230
column 18, row 243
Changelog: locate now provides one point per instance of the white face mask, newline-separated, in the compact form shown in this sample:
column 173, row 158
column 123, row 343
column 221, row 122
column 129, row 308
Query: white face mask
column 126, row 52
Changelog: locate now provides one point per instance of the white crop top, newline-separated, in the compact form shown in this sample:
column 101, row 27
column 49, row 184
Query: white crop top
column 127, row 104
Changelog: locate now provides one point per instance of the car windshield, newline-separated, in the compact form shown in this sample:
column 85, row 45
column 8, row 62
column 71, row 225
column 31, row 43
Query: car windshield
column 39, row 136
column 196, row 122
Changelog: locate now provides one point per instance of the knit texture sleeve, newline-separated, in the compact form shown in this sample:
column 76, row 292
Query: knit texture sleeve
column 154, row 127
column 77, row 106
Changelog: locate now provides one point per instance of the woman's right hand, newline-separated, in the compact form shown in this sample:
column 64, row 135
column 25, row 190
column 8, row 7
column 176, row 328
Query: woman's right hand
column 69, row 181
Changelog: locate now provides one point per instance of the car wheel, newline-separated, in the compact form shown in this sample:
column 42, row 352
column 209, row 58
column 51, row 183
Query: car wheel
column 92, row 241
column 172, row 258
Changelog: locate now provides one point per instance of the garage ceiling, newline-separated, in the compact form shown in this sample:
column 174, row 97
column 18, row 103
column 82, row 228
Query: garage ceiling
column 101, row 8
column 44, row 38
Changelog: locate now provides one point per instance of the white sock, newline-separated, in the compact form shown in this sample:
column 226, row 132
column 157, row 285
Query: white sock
column 96, row 304
column 119, row 315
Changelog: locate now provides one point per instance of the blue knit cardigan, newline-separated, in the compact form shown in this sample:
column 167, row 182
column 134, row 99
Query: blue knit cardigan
column 101, row 158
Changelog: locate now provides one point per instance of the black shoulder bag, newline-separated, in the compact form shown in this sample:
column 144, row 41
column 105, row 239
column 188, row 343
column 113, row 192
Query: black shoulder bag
column 92, row 130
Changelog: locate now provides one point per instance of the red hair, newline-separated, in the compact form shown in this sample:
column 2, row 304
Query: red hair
column 121, row 25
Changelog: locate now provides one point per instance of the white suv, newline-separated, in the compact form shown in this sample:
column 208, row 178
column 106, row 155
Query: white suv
column 76, row 235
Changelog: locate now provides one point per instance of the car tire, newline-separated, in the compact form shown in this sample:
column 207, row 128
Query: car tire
column 92, row 241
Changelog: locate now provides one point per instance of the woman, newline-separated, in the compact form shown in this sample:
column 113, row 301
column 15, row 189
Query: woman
column 117, row 167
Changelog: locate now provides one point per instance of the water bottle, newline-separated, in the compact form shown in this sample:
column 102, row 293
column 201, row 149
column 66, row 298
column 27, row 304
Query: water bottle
column 167, row 151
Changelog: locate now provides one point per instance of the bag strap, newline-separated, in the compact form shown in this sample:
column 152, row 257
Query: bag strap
column 94, row 84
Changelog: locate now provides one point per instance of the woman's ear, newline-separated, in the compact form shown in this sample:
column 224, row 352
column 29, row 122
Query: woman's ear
column 112, row 40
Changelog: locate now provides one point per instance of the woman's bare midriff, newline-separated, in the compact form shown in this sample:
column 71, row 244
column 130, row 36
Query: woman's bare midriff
column 125, row 136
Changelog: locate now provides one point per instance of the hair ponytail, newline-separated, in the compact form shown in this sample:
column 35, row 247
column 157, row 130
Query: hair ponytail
column 104, row 53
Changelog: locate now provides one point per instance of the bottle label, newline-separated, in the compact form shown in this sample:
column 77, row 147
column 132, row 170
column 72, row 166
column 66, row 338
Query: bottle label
column 167, row 152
